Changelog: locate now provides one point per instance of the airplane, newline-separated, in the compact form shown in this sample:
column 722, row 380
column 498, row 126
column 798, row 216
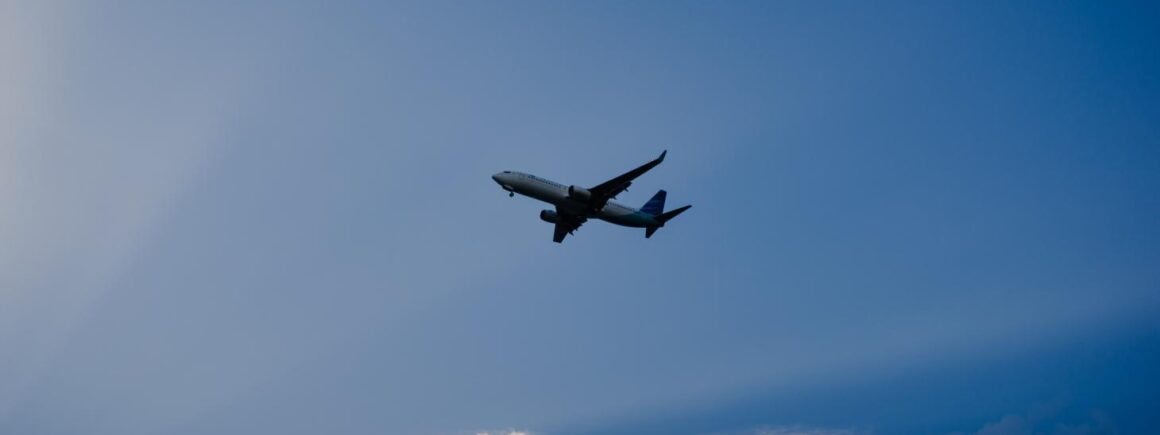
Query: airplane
column 575, row 204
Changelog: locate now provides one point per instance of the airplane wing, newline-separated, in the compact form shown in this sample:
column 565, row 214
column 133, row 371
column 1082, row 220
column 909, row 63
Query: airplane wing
column 566, row 223
column 609, row 189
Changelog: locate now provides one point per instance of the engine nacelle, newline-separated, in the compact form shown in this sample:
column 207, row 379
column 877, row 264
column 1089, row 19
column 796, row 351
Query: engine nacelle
column 548, row 216
column 579, row 193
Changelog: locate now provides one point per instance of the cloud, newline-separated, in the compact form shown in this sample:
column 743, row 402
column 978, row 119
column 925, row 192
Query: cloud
column 794, row 430
column 1053, row 419
column 762, row 430
column 503, row 432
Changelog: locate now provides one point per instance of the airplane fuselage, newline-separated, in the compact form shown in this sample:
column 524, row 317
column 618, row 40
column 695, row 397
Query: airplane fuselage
column 557, row 194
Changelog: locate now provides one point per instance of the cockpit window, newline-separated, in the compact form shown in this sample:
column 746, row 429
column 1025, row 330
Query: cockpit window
column 507, row 172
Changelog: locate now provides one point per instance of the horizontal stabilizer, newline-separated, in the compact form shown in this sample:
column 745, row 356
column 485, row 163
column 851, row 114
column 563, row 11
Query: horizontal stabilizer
column 664, row 217
column 668, row 215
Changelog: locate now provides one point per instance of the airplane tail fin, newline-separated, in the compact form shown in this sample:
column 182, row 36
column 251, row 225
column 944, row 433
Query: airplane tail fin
column 656, row 205
column 664, row 217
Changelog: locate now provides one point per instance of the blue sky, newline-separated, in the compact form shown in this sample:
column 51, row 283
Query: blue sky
column 247, row 217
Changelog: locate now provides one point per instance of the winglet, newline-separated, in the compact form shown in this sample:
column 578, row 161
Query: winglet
column 662, row 157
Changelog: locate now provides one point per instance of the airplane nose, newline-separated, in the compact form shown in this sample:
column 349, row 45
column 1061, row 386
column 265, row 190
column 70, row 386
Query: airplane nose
column 496, row 178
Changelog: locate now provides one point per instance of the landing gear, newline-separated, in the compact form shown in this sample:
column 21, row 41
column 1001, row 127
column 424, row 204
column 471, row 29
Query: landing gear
column 511, row 194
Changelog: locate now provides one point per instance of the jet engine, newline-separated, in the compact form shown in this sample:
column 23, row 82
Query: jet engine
column 579, row 193
column 548, row 216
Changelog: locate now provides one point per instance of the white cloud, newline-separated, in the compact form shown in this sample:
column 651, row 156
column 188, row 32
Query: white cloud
column 504, row 432
column 1050, row 419
column 795, row 430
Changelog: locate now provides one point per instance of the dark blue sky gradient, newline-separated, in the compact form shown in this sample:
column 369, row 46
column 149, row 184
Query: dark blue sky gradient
column 1096, row 383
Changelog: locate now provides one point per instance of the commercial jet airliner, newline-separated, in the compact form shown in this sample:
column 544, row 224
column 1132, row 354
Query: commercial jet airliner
column 575, row 204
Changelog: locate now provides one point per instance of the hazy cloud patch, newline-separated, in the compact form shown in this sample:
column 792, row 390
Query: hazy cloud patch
column 795, row 430
column 503, row 432
column 1050, row 419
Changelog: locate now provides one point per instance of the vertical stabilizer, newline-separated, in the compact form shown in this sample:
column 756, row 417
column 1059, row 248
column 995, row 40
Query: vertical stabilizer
column 656, row 205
